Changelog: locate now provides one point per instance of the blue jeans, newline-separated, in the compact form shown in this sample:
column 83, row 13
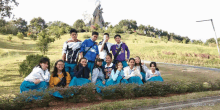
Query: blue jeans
column 69, row 67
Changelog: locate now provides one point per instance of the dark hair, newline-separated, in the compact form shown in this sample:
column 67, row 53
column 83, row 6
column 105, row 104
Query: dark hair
column 73, row 30
column 131, row 59
column 97, row 60
column 116, row 66
column 55, row 70
column 106, row 34
column 109, row 54
column 142, row 70
column 44, row 60
column 117, row 36
column 95, row 33
column 77, row 66
column 154, row 65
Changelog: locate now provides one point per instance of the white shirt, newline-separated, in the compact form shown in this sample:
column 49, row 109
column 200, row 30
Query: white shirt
column 38, row 73
column 103, row 53
column 128, row 72
column 73, row 45
column 150, row 74
column 97, row 73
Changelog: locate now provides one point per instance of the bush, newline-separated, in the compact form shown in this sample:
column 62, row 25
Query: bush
column 27, row 65
column 86, row 36
column 20, row 35
column 32, row 36
column 9, row 37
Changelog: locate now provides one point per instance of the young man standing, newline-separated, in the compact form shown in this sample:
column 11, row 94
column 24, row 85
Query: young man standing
column 70, row 52
column 89, row 50
column 118, row 50
column 104, row 48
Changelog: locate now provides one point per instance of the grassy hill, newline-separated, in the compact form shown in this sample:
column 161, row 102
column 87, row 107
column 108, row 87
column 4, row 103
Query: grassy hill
column 13, row 52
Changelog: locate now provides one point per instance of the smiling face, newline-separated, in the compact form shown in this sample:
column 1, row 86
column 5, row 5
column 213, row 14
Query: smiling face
column 60, row 66
column 73, row 35
column 108, row 59
column 118, row 40
column 137, row 60
column 120, row 65
column 44, row 66
column 99, row 63
column 94, row 37
column 152, row 67
column 83, row 62
column 131, row 63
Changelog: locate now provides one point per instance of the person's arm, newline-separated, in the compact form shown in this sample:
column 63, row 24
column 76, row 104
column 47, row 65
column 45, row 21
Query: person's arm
column 95, row 73
column 158, row 73
column 144, row 67
column 51, row 82
column 126, row 74
column 137, row 72
column 82, row 49
column 68, row 79
column 115, row 75
column 128, row 52
column 103, row 44
column 64, row 50
column 147, row 76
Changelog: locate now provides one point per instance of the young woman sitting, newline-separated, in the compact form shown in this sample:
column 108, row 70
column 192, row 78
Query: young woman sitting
column 154, row 73
column 81, row 72
column 141, row 67
column 131, row 73
column 39, row 78
column 109, row 66
column 117, row 75
column 59, row 77
column 98, row 77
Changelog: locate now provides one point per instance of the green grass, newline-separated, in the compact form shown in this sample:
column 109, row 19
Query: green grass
column 149, row 101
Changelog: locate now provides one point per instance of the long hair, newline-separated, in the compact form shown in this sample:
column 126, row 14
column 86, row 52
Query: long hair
column 154, row 65
column 142, row 70
column 116, row 66
column 77, row 66
column 55, row 70
column 44, row 60
column 97, row 60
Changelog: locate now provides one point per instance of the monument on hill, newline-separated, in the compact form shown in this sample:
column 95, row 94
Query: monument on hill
column 97, row 17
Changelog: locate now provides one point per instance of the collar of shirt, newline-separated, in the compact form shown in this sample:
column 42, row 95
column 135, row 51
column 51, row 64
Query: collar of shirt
column 118, row 44
column 109, row 65
column 91, row 39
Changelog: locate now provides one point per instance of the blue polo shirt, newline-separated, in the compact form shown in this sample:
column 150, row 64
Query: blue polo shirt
column 91, row 54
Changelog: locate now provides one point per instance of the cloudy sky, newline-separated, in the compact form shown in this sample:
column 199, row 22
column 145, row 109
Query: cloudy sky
column 178, row 16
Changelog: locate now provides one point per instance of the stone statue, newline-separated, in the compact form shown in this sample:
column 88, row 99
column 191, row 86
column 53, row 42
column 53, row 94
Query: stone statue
column 97, row 17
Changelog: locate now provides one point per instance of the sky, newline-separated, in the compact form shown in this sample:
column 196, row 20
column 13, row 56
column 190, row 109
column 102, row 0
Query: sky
column 177, row 16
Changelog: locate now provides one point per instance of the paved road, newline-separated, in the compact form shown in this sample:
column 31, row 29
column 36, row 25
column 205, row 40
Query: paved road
column 207, row 101
column 205, row 68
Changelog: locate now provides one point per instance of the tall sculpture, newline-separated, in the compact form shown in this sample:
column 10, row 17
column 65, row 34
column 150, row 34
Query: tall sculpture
column 97, row 17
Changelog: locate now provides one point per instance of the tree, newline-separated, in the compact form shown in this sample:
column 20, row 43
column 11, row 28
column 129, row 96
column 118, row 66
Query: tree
column 6, row 7
column 57, row 28
column 141, row 27
column 44, row 40
column 21, row 25
column 125, row 28
column 106, row 24
column 131, row 24
column 37, row 25
column 79, row 24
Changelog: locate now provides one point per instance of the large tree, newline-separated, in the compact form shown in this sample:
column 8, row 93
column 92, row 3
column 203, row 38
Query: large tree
column 131, row 24
column 79, row 24
column 6, row 6
column 37, row 25
column 21, row 25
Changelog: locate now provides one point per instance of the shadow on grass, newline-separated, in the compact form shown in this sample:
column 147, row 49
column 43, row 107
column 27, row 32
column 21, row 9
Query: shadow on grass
column 12, row 45
column 9, row 77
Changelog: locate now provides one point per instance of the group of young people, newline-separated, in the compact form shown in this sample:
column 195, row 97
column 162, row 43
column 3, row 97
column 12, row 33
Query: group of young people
column 88, row 59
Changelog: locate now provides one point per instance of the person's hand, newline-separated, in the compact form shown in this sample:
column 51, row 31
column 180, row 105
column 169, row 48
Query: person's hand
column 105, row 40
column 36, row 81
column 142, row 63
column 126, row 60
column 105, row 70
column 120, row 68
column 103, row 82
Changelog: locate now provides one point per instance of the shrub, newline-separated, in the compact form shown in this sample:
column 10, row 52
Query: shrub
column 27, row 65
column 9, row 37
column 20, row 35
column 32, row 36
column 86, row 36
